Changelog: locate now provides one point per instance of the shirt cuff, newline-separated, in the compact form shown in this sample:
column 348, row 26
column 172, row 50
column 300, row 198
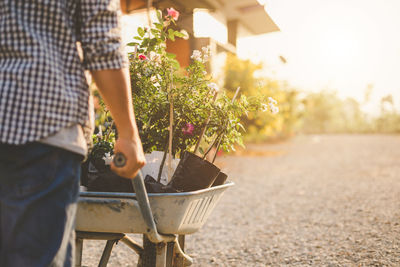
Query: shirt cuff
column 104, row 62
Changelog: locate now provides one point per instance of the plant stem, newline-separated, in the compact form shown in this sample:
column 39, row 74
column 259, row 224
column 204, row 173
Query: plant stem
column 165, row 155
column 222, row 137
column 204, row 128
column 171, row 123
column 213, row 143
column 162, row 163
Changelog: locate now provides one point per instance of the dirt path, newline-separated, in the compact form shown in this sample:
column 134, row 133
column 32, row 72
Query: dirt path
column 313, row 201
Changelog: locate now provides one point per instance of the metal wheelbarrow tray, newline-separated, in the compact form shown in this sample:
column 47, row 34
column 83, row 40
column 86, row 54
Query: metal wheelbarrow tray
column 163, row 219
column 174, row 213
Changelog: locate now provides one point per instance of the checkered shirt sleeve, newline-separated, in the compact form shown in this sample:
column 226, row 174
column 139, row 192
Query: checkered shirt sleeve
column 42, row 83
column 99, row 22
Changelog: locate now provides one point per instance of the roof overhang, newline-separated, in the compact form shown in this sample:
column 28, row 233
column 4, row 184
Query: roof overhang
column 250, row 13
column 183, row 5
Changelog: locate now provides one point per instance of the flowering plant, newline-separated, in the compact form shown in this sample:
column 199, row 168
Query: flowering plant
column 158, row 83
column 169, row 100
column 199, row 108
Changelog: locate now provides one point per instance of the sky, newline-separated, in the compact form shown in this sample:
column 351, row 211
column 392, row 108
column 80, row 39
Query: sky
column 341, row 45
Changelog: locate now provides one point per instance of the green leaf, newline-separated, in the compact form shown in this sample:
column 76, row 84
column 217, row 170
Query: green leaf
column 159, row 26
column 159, row 16
column 171, row 35
column 175, row 64
column 240, row 143
column 138, row 38
column 132, row 44
column 153, row 41
column 179, row 34
column 170, row 55
column 140, row 31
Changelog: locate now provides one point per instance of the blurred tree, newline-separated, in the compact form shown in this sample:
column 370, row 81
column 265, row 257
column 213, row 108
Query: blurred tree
column 325, row 112
column 240, row 73
column 367, row 93
column 389, row 119
column 387, row 103
column 263, row 125
column 321, row 112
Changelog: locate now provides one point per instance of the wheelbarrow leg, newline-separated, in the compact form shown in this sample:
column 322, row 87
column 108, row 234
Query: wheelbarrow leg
column 180, row 261
column 78, row 252
column 107, row 252
column 170, row 254
column 161, row 255
column 181, row 240
column 154, row 255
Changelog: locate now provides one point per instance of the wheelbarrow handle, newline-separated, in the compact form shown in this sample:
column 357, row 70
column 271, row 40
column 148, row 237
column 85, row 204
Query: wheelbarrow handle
column 144, row 204
column 119, row 160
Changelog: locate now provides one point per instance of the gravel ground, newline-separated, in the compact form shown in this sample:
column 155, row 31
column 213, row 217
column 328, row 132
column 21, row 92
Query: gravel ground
column 331, row 200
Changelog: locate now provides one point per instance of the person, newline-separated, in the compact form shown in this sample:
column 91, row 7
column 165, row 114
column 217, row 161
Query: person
column 43, row 113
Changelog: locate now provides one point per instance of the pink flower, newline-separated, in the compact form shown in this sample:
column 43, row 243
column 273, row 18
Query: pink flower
column 173, row 13
column 188, row 129
column 142, row 57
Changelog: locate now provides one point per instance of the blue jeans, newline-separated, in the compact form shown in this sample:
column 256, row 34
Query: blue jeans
column 39, row 188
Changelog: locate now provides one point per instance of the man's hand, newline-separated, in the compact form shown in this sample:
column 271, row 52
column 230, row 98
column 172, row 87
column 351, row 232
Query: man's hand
column 135, row 159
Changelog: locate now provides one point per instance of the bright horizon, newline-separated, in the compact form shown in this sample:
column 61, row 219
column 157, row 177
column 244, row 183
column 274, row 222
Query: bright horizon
column 341, row 45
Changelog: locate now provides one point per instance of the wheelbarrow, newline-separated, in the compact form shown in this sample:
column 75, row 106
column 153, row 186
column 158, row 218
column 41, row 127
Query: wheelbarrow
column 163, row 219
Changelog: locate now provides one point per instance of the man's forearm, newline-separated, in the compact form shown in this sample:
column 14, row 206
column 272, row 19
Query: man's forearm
column 114, row 87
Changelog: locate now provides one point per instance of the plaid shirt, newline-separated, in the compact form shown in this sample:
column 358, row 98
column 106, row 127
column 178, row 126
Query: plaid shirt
column 42, row 83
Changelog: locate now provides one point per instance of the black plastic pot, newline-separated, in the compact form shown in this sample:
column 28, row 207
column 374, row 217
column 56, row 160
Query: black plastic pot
column 152, row 186
column 193, row 173
column 221, row 179
column 106, row 181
